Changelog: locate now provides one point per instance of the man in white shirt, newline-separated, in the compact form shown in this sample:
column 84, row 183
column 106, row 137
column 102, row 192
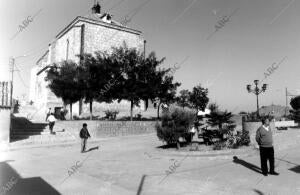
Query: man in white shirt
column 48, row 112
column 51, row 120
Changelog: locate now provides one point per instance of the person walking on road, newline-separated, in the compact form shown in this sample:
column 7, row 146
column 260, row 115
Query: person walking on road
column 51, row 120
column 84, row 135
column 264, row 139
column 48, row 112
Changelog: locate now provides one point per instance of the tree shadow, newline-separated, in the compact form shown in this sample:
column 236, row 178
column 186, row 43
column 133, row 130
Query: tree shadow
column 246, row 164
column 12, row 183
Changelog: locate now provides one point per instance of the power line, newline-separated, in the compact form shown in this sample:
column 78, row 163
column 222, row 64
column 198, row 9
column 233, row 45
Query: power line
column 21, row 78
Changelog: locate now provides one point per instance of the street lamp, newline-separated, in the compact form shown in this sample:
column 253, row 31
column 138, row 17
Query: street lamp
column 257, row 91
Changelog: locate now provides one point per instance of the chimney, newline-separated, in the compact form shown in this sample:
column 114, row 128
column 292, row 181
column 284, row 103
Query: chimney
column 96, row 9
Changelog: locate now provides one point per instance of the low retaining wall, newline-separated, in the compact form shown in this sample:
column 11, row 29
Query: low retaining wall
column 99, row 129
column 252, row 127
column 285, row 124
column 4, row 124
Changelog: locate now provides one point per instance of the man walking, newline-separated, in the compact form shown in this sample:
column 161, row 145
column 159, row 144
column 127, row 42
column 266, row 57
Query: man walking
column 51, row 120
column 48, row 112
column 264, row 139
column 84, row 135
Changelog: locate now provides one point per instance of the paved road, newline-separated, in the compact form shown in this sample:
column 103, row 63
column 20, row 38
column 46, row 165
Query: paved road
column 134, row 165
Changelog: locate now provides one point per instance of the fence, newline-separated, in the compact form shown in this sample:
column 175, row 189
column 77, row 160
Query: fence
column 5, row 94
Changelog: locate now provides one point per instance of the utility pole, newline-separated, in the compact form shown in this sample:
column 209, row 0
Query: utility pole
column 145, row 49
column 286, row 101
column 12, row 69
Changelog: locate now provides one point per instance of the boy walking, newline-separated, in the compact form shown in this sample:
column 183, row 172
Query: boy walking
column 264, row 139
column 84, row 135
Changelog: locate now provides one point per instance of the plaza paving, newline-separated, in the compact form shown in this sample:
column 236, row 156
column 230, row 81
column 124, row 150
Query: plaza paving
column 134, row 165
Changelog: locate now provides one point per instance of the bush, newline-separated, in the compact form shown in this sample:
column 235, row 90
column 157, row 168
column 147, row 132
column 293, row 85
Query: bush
column 235, row 141
column 111, row 114
column 175, row 124
column 138, row 116
column 243, row 139
column 219, row 145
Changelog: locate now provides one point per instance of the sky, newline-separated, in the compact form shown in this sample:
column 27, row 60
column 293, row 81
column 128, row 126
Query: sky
column 258, row 34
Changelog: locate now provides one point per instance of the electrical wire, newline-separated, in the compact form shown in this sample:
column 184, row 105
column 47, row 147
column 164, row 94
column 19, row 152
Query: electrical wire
column 21, row 78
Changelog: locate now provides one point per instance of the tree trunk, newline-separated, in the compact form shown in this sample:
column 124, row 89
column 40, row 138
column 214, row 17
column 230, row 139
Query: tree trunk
column 71, row 115
column 131, row 109
column 80, row 107
column 158, row 110
column 178, row 145
column 91, row 109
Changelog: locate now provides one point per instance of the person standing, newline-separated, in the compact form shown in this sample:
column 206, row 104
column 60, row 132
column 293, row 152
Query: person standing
column 48, row 112
column 264, row 138
column 84, row 135
column 51, row 120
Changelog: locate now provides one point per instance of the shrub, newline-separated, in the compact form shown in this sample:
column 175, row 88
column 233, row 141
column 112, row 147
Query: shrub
column 111, row 114
column 243, row 139
column 219, row 145
column 175, row 124
column 75, row 117
column 138, row 116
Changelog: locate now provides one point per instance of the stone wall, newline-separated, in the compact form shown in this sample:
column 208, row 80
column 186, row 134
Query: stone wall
column 100, row 129
column 100, row 38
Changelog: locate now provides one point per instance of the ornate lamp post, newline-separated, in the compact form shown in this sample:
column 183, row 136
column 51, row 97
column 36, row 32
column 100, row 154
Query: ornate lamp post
column 257, row 91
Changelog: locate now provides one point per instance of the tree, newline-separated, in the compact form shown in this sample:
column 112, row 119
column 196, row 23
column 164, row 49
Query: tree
column 166, row 92
column 295, row 113
column 219, row 118
column 97, row 74
column 158, row 86
column 175, row 124
column 64, row 83
column 183, row 100
column 131, row 82
column 198, row 98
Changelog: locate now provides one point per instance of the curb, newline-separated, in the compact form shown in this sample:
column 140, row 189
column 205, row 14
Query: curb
column 247, row 151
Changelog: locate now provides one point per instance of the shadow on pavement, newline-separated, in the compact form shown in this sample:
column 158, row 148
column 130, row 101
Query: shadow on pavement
column 141, row 185
column 258, row 192
column 12, row 183
column 246, row 164
column 295, row 169
column 91, row 149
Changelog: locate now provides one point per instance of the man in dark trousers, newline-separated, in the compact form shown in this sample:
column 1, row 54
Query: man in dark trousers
column 51, row 120
column 264, row 139
column 84, row 135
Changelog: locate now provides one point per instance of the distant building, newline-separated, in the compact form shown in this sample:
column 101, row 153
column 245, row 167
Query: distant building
column 96, row 31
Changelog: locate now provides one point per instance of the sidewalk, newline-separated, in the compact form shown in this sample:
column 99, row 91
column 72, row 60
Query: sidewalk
column 134, row 165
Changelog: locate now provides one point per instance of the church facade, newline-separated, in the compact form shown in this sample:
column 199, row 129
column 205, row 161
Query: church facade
column 85, row 34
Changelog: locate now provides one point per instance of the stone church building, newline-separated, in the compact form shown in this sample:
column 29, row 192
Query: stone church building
column 96, row 31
